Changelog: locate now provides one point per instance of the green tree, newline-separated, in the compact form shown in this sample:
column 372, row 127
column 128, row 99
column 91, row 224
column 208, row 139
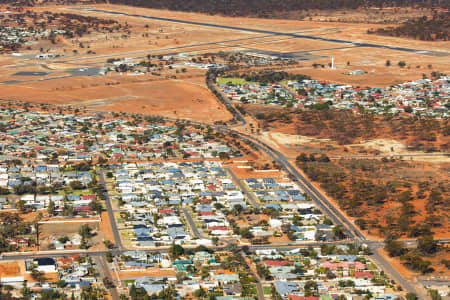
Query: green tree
column 434, row 294
column 224, row 155
column 394, row 248
column 302, row 157
column 133, row 292
column 38, row 276
column 167, row 294
column 96, row 206
column 76, row 185
column 338, row 232
column 200, row 293
column 176, row 251
column 25, row 291
column 246, row 233
column 51, row 295
column 310, row 287
column 85, row 231
column 109, row 256
column 108, row 244
column 4, row 191
column 61, row 283
column 51, row 208
column 427, row 245
column 20, row 205
column 237, row 209
column 63, row 239
column 84, row 244
column 411, row 296
column 416, row 263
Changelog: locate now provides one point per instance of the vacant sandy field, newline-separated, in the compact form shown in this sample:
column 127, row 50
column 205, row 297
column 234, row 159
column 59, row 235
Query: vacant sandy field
column 64, row 228
column 17, row 269
column 294, row 144
column 105, row 228
column 158, row 96
column 244, row 171
column 52, row 231
column 10, row 269
column 153, row 272
column 170, row 98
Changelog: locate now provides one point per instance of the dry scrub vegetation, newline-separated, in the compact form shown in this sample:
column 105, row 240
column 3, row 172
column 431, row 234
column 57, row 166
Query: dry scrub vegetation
column 419, row 134
column 386, row 197
column 59, row 26
column 436, row 28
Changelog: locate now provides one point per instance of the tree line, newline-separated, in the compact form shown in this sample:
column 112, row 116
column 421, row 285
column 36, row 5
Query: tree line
column 268, row 76
column 419, row 133
column 267, row 8
column 435, row 29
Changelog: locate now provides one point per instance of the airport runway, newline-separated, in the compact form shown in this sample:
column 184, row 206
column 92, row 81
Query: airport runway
column 254, row 30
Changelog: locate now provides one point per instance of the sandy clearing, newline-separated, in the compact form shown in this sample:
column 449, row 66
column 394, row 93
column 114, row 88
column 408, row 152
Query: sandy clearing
column 249, row 172
column 155, row 272
column 385, row 146
column 10, row 269
column 283, row 138
column 171, row 98
column 105, row 227
column 175, row 98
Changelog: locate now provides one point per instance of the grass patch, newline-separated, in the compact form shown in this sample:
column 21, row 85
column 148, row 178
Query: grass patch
column 267, row 290
column 235, row 81
column 129, row 281
column 80, row 192
column 125, row 234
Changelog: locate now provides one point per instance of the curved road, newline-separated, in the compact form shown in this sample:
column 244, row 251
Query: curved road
column 336, row 215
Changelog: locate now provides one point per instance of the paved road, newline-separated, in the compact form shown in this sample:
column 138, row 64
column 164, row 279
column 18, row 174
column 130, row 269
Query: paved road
column 323, row 203
column 250, row 196
column 387, row 267
column 191, row 222
column 315, row 195
column 254, row 30
column 259, row 287
column 105, row 271
column 224, row 100
column 389, row 155
column 338, row 217
column 112, row 219
column 64, row 253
